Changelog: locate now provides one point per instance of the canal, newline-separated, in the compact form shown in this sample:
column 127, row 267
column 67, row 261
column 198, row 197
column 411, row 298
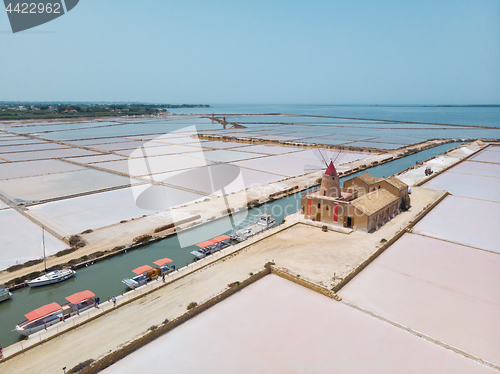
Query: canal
column 104, row 278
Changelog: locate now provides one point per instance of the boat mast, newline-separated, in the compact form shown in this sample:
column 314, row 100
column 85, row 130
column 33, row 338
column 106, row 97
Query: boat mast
column 43, row 243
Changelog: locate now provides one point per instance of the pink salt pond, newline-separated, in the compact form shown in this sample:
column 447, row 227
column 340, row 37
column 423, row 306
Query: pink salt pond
column 446, row 291
column 276, row 326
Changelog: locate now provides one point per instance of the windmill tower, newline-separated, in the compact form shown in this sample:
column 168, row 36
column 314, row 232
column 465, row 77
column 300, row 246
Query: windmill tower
column 330, row 182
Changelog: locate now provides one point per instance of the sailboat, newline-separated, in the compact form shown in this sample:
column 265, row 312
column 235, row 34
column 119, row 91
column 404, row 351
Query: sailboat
column 50, row 277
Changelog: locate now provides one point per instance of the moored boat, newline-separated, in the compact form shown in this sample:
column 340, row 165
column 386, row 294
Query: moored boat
column 211, row 246
column 164, row 266
column 50, row 277
column 40, row 318
column 4, row 294
column 146, row 273
column 53, row 313
column 265, row 222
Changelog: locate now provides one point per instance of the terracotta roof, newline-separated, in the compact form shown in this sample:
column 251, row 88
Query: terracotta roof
column 163, row 261
column 331, row 169
column 374, row 201
column 212, row 241
column 80, row 296
column 368, row 179
column 43, row 311
column 396, row 183
column 142, row 269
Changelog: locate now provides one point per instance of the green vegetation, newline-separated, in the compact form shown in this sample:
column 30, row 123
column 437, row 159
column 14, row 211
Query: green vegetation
column 405, row 204
column 76, row 241
column 82, row 365
column 163, row 228
column 66, row 251
column 142, row 239
column 34, row 110
column 192, row 305
column 25, row 265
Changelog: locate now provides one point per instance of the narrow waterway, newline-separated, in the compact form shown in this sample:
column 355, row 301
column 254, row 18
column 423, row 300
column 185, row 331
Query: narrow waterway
column 104, row 278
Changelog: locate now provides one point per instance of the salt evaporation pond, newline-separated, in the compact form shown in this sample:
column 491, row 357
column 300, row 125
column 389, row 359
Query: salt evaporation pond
column 60, row 185
column 39, row 155
column 447, row 221
column 330, row 336
column 104, row 278
column 32, row 168
column 444, row 290
column 72, row 216
column 22, row 240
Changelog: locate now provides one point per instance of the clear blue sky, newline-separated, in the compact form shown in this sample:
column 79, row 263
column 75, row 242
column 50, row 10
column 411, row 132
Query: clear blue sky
column 308, row 51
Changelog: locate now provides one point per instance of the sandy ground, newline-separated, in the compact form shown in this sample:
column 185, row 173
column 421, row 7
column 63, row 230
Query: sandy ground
column 263, row 314
column 303, row 249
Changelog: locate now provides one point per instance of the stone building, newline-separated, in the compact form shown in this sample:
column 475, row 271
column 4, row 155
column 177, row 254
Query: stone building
column 364, row 203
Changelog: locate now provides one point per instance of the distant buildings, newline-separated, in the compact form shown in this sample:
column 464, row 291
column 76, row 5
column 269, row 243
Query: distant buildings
column 364, row 203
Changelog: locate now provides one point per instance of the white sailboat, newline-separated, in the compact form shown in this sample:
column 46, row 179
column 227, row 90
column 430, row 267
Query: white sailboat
column 50, row 277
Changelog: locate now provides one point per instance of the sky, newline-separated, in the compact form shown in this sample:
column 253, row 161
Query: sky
column 266, row 52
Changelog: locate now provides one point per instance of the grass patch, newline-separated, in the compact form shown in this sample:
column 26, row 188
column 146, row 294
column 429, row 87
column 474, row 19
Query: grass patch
column 192, row 305
column 142, row 239
column 163, row 228
column 82, row 365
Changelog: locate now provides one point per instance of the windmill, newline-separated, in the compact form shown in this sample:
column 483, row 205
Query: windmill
column 330, row 182
column 325, row 158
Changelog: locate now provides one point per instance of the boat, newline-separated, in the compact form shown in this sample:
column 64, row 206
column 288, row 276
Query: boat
column 50, row 277
column 53, row 313
column 4, row 294
column 265, row 222
column 146, row 273
column 211, row 246
column 164, row 267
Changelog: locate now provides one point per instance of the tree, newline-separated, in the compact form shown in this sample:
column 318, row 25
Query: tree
column 61, row 108
column 405, row 204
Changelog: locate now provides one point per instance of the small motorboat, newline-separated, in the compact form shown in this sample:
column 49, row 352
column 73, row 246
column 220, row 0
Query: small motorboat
column 265, row 222
column 146, row 273
column 211, row 246
column 4, row 294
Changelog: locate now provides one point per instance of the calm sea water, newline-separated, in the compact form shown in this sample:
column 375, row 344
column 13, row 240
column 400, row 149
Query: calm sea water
column 471, row 116
column 104, row 278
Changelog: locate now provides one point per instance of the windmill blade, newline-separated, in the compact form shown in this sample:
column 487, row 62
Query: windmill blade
column 322, row 155
column 341, row 156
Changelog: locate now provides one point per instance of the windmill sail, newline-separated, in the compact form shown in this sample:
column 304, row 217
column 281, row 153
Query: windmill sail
column 325, row 157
